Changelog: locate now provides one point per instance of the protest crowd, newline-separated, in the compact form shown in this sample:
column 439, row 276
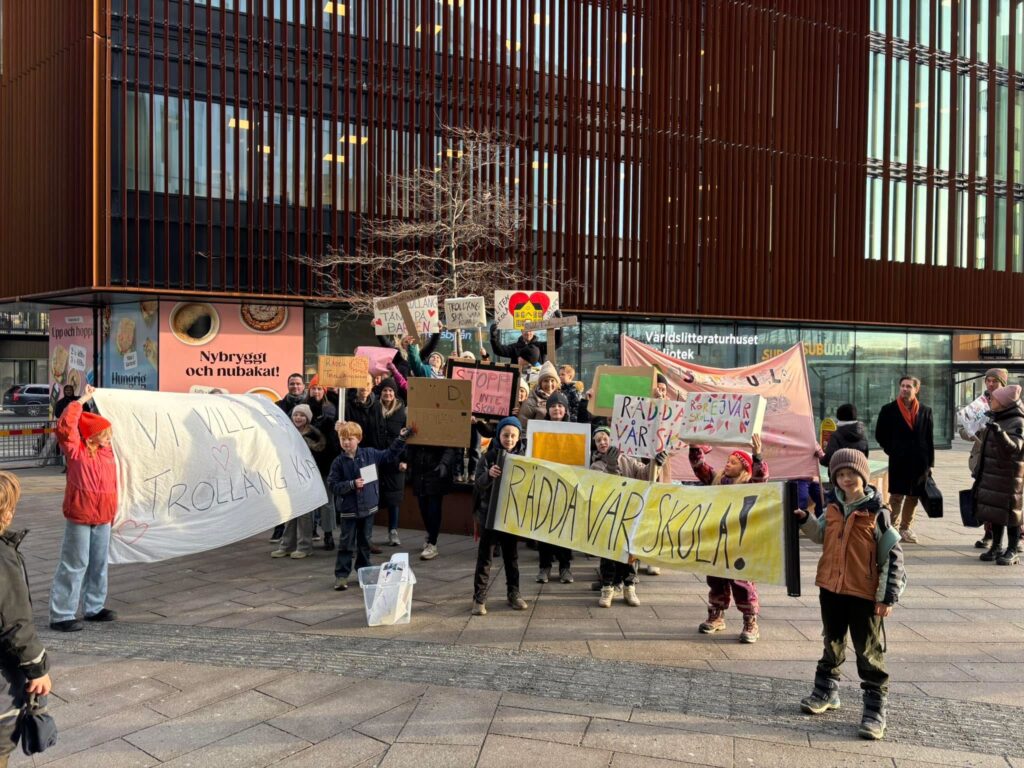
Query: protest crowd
column 371, row 439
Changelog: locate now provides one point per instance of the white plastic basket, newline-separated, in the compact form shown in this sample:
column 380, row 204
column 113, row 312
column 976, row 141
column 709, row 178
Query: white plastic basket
column 368, row 583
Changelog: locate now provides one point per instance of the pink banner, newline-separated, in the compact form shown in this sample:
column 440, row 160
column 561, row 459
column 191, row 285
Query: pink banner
column 788, row 433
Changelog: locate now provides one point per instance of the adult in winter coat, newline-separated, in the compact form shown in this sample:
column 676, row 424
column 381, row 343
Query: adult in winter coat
column 431, row 471
column 994, row 379
column 386, row 420
column 488, row 472
column 904, row 430
column 535, row 406
column 849, row 433
column 23, row 661
column 359, row 404
column 526, row 339
column 999, row 486
column 296, row 393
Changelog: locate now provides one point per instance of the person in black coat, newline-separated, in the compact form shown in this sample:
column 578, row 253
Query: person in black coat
column 386, row 419
column 431, row 470
column 905, row 431
column 849, row 433
column 325, row 419
column 526, row 339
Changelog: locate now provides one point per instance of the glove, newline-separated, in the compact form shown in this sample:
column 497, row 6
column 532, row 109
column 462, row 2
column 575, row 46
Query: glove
column 661, row 458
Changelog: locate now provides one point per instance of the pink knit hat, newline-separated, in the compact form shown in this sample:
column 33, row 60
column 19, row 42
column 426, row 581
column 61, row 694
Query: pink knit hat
column 1007, row 395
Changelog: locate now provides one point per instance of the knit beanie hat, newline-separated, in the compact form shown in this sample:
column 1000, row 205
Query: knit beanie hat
column 606, row 430
column 849, row 458
column 558, row 398
column 305, row 410
column 745, row 460
column 846, row 412
column 314, row 382
column 1004, row 395
column 439, row 356
column 91, row 424
column 548, row 371
column 531, row 354
column 509, row 421
column 389, row 383
column 1001, row 374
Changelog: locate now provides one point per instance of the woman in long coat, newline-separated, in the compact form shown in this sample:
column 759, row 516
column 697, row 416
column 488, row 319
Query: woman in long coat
column 999, row 476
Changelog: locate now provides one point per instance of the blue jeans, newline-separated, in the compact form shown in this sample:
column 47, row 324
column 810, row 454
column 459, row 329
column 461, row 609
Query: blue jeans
column 392, row 516
column 83, row 558
column 354, row 538
column 430, row 511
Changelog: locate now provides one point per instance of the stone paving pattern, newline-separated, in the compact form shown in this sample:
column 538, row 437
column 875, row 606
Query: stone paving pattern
column 229, row 658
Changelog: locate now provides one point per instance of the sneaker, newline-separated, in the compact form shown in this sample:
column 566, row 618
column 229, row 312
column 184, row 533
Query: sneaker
column 429, row 552
column 605, row 600
column 515, row 600
column 340, row 585
column 629, row 595
column 393, row 540
column 565, row 576
column 543, row 575
column 479, row 609
column 652, row 570
column 714, row 623
column 71, row 625
column 1008, row 557
column 821, row 701
column 329, row 541
column 299, row 555
column 908, row 536
column 750, row 633
column 316, row 536
column 984, row 542
column 104, row 614
column 279, row 553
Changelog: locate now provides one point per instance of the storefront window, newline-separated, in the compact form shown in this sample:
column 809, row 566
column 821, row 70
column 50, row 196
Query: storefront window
column 600, row 347
column 881, row 359
column 830, row 365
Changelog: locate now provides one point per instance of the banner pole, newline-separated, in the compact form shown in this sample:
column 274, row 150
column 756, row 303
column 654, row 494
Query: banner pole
column 791, row 542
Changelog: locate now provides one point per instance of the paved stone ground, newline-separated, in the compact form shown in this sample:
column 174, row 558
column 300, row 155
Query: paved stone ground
column 231, row 658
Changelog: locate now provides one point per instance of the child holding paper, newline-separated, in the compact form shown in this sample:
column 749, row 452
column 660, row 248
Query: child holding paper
column 740, row 467
column 487, row 472
column 355, row 499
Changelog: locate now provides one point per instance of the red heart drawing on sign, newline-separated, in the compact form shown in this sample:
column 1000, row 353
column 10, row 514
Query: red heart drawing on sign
column 431, row 312
column 540, row 301
column 517, row 300
column 130, row 531
column 378, row 321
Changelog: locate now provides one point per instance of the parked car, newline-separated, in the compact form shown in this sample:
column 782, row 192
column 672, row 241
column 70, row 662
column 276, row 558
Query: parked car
column 28, row 399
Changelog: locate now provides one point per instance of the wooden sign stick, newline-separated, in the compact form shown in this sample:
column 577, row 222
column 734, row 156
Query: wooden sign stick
column 549, row 325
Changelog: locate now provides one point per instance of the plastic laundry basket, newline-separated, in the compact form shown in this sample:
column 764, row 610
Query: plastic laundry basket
column 368, row 583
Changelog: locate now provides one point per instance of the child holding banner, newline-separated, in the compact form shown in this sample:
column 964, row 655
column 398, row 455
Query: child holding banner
column 355, row 498
column 487, row 472
column 860, row 575
column 740, row 467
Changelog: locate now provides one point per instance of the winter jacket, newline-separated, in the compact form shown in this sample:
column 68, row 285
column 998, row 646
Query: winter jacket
column 616, row 463
column 513, row 350
column 572, row 394
column 381, row 431
column 999, row 489
column 431, row 469
column 860, row 545
column 320, row 447
column 360, row 412
column 64, row 402
column 911, row 452
column 707, row 475
column 848, row 434
column 90, row 495
column 535, row 406
column 21, row 654
column 348, row 500
column 483, row 483
column 288, row 402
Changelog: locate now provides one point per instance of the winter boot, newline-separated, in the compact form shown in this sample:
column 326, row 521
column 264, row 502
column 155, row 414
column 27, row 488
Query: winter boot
column 544, row 575
column 985, row 541
column 479, row 609
column 605, row 600
column 750, row 632
column 872, row 722
column 515, row 600
column 629, row 595
column 993, row 553
column 824, row 697
column 1008, row 557
column 715, row 622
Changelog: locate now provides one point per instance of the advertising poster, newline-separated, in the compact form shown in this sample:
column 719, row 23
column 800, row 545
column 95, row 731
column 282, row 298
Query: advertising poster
column 71, row 358
column 130, row 345
column 230, row 348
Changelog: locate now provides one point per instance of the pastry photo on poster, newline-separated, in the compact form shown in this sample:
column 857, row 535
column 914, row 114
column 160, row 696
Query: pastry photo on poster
column 244, row 348
column 71, row 350
column 130, row 337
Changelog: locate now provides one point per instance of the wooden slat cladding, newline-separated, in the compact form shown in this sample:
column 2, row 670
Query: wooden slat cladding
column 692, row 158
column 53, row 146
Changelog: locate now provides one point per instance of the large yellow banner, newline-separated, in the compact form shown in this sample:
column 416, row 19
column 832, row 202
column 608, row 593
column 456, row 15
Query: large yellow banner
column 733, row 531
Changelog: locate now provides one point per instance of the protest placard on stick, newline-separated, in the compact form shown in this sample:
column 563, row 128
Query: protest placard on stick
column 416, row 314
column 467, row 312
column 440, row 410
column 342, row 371
column 563, row 442
column 512, row 309
column 550, row 325
column 495, row 386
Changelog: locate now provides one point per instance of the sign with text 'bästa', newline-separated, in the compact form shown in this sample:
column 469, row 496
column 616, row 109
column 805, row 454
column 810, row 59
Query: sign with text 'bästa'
column 494, row 386
column 195, row 472
column 440, row 410
column 342, row 371
column 512, row 309
column 468, row 312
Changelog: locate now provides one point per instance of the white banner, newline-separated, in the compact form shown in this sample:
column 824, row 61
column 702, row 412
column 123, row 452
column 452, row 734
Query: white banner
column 196, row 472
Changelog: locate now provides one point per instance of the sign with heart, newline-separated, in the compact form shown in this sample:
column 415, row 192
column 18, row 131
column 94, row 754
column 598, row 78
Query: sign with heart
column 198, row 471
column 390, row 322
column 513, row 309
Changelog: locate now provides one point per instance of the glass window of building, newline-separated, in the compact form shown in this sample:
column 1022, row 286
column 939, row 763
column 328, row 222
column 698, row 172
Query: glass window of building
column 201, row 167
column 930, row 362
column 600, row 346
column 873, row 225
column 897, row 220
column 830, row 366
column 881, row 358
column 899, row 113
column 159, row 143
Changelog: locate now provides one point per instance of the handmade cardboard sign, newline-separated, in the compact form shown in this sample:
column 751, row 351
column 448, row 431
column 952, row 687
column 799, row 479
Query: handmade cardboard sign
column 732, row 531
column 725, row 418
column 494, row 386
column 562, row 442
column 549, row 325
column 412, row 312
column 612, row 380
column 973, row 416
column 468, row 312
column 195, row 472
column 440, row 410
column 514, row 308
column 379, row 358
column 342, row 371
column 644, row 427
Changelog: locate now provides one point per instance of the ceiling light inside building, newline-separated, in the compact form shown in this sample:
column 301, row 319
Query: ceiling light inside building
column 338, row 8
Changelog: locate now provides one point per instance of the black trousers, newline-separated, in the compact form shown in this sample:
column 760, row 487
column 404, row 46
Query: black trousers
column 844, row 613
column 614, row 573
column 484, row 556
column 549, row 553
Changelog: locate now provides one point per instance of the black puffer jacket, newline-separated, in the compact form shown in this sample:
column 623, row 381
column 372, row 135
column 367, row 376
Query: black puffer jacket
column 381, row 431
column 21, row 654
column 999, row 491
column 848, row 434
column 431, row 469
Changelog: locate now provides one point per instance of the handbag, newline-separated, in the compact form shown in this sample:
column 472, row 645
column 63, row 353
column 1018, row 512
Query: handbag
column 931, row 496
column 36, row 730
column 968, row 512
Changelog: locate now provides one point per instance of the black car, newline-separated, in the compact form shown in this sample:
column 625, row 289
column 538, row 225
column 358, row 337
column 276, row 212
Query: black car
column 28, row 399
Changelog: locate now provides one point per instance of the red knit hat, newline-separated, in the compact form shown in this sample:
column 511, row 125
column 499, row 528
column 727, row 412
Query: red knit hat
column 91, row 424
column 314, row 382
column 745, row 460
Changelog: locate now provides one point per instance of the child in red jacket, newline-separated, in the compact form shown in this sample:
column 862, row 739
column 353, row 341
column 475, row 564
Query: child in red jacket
column 740, row 467
column 90, row 503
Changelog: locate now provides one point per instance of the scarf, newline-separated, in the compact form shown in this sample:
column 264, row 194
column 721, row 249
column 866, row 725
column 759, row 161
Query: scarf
column 909, row 414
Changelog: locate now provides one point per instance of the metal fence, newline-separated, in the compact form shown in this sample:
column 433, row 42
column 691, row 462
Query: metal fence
column 28, row 444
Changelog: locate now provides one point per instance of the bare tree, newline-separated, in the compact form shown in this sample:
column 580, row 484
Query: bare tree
column 448, row 220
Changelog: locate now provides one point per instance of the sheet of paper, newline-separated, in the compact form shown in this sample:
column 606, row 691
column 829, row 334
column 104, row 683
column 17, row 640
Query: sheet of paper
column 369, row 474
